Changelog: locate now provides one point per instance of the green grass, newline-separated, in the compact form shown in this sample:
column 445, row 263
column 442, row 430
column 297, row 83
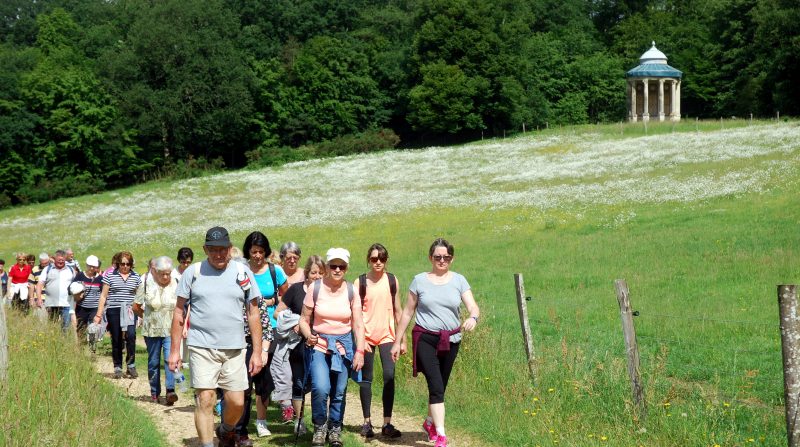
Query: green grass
column 53, row 396
column 702, row 274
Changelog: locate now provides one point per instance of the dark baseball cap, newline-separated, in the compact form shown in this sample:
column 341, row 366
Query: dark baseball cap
column 217, row 237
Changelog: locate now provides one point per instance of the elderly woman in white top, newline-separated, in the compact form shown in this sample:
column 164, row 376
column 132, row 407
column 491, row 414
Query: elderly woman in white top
column 154, row 303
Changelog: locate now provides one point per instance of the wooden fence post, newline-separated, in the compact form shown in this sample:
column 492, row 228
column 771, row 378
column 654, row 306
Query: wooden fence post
column 631, row 348
column 790, row 344
column 3, row 341
column 522, row 305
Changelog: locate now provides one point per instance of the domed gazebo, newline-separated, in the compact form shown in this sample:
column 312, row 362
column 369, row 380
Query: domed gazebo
column 646, row 93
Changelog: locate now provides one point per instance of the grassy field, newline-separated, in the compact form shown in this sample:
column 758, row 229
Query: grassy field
column 701, row 221
column 54, row 397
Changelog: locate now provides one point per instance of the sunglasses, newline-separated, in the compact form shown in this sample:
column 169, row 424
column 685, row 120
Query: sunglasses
column 337, row 267
column 445, row 258
column 375, row 259
column 124, row 263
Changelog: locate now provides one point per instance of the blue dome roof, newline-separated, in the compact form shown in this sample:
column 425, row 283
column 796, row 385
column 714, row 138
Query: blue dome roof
column 653, row 64
column 654, row 71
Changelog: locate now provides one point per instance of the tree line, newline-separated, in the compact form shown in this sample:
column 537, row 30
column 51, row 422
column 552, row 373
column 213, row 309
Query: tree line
column 99, row 94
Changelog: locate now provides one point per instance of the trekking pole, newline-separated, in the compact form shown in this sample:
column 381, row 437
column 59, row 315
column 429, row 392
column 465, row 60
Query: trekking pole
column 306, row 361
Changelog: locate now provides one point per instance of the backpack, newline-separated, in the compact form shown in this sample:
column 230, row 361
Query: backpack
column 315, row 295
column 362, row 287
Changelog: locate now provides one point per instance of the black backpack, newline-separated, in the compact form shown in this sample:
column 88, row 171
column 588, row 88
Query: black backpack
column 362, row 287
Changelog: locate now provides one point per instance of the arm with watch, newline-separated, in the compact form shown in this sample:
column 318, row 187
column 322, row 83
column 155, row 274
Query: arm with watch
column 472, row 307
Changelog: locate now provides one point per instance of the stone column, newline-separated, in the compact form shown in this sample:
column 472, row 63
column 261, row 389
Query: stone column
column 672, row 100
column 661, row 100
column 634, row 112
column 677, row 101
column 646, row 101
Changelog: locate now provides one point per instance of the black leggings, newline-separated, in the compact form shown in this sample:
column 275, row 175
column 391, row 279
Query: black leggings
column 114, row 326
column 298, row 365
column 436, row 368
column 365, row 390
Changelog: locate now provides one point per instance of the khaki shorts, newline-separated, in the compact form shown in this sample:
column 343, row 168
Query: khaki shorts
column 218, row 368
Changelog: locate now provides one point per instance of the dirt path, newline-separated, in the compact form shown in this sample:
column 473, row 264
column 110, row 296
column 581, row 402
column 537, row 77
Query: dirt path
column 177, row 422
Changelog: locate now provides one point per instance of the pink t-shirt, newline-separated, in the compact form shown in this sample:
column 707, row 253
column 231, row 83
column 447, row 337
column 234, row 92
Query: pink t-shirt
column 332, row 315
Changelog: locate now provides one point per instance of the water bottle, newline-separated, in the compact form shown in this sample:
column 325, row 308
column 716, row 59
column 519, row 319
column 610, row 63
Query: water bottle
column 180, row 381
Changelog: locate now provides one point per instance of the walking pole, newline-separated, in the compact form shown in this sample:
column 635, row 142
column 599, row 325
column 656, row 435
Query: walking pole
column 306, row 362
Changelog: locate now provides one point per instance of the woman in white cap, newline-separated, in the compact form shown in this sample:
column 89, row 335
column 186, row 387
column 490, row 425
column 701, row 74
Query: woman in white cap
column 86, row 304
column 332, row 326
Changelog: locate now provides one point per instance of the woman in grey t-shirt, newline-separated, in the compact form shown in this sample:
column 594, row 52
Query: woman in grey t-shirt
column 436, row 297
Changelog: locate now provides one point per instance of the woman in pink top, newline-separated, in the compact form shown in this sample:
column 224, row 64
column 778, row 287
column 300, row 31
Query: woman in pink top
column 290, row 257
column 380, row 306
column 330, row 321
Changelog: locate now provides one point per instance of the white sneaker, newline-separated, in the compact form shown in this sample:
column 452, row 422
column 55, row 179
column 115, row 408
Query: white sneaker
column 262, row 429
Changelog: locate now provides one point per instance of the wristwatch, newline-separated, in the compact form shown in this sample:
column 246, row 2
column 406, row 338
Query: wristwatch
column 475, row 318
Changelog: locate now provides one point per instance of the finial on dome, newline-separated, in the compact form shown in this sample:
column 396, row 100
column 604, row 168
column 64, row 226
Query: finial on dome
column 654, row 44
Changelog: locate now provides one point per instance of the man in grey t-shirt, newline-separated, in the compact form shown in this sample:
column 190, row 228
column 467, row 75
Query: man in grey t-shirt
column 216, row 293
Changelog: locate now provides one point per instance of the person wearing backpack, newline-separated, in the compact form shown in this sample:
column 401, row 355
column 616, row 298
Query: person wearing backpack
column 332, row 325
column 154, row 304
column 55, row 281
column 435, row 299
column 380, row 307
column 271, row 282
column 217, row 290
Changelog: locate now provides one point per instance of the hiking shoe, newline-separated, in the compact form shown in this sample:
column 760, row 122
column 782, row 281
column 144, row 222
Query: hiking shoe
column 261, row 428
column 288, row 414
column 228, row 439
column 430, row 429
column 335, row 436
column 132, row 372
column 300, row 428
column 172, row 397
column 117, row 373
column 367, row 431
column 154, row 398
column 389, row 431
column 320, row 435
column 244, row 441
column 441, row 441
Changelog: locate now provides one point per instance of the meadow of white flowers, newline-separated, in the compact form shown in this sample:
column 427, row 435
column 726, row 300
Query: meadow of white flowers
column 563, row 172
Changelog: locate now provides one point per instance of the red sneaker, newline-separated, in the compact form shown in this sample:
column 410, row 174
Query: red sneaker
column 430, row 429
column 288, row 414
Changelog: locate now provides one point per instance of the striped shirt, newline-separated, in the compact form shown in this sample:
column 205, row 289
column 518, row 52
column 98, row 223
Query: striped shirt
column 120, row 291
column 92, row 288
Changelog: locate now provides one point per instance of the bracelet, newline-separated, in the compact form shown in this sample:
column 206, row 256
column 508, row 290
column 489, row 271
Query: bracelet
column 475, row 318
column 360, row 351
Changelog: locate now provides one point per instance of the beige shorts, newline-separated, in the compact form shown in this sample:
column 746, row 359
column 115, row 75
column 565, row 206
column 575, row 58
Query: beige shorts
column 218, row 368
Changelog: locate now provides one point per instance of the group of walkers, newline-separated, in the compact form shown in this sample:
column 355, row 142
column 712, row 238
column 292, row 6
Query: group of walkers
column 249, row 321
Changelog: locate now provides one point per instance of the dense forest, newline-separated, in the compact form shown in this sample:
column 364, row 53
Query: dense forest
column 97, row 94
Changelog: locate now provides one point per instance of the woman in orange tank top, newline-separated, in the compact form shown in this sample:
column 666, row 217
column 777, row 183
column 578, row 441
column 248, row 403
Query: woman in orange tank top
column 379, row 291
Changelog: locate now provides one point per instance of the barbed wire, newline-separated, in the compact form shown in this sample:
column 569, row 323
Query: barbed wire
column 694, row 344
column 709, row 319
column 563, row 303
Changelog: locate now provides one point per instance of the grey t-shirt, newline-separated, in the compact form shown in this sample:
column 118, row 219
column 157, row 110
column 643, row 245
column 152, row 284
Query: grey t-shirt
column 215, row 319
column 438, row 306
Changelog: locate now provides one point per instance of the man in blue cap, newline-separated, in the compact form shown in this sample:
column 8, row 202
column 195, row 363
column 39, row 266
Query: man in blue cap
column 216, row 290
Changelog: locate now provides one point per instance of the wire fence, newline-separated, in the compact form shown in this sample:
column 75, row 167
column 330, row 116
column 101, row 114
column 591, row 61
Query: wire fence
column 739, row 358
